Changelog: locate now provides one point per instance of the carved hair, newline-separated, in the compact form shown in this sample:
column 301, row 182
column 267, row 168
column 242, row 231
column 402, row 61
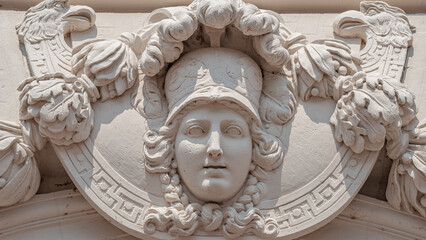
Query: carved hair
column 182, row 218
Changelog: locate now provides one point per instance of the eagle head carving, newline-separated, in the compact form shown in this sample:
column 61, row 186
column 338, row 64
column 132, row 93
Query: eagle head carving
column 385, row 24
column 52, row 17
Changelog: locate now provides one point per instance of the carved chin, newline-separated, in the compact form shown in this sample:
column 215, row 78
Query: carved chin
column 215, row 190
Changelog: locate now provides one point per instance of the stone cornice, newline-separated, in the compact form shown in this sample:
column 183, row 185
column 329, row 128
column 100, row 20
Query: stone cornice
column 282, row 6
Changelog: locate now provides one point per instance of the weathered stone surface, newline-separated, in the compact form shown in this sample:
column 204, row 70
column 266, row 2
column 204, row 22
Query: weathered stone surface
column 147, row 93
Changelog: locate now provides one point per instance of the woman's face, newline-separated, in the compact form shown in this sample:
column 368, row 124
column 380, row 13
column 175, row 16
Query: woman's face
column 213, row 151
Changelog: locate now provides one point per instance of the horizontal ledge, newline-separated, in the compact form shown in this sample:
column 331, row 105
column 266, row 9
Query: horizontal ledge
column 376, row 214
column 281, row 6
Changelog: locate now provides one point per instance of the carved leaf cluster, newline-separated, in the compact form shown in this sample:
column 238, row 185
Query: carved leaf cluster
column 19, row 174
column 376, row 109
column 354, row 124
column 278, row 103
column 148, row 100
column 318, row 65
column 60, row 105
column 407, row 180
column 112, row 65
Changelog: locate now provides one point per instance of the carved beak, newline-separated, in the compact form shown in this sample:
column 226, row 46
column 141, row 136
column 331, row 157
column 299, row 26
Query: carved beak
column 79, row 18
column 351, row 24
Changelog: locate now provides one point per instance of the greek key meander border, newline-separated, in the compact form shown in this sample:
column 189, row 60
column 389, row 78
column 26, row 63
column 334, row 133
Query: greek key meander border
column 121, row 205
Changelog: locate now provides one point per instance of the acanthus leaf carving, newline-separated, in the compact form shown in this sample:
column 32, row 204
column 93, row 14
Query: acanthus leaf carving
column 278, row 103
column 407, row 179
column 376, row 108
column 43, row 33
column 60, row 105
column 320, row 63
column 111, row 64
column 386, row 109
column 355, row 124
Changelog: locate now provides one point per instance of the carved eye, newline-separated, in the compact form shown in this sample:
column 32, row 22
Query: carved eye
column 59, row 5
column 372, row 12
column 195, row 131
column 233, row 130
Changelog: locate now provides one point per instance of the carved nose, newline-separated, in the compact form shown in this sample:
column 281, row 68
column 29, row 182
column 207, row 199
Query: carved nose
column 214, row 149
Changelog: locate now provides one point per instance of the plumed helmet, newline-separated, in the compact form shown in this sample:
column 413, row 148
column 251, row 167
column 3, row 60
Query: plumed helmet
column 213, row 74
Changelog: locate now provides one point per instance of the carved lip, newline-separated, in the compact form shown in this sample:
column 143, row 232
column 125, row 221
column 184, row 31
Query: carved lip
column 214, row 167
column 214, row 171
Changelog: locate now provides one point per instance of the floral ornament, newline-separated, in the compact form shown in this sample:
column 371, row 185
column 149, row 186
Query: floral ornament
column 60, row 105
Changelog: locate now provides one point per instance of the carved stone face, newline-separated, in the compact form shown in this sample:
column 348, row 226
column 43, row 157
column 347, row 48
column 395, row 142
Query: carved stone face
column 213, row 151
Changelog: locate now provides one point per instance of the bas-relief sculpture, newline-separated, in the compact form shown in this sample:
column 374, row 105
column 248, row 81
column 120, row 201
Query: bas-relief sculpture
column 208, row 94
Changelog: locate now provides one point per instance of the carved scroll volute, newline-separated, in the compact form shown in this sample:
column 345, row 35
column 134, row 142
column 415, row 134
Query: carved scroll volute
column 378, row 106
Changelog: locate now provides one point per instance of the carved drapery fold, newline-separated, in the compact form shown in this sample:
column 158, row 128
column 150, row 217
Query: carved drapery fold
column 19, row 175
